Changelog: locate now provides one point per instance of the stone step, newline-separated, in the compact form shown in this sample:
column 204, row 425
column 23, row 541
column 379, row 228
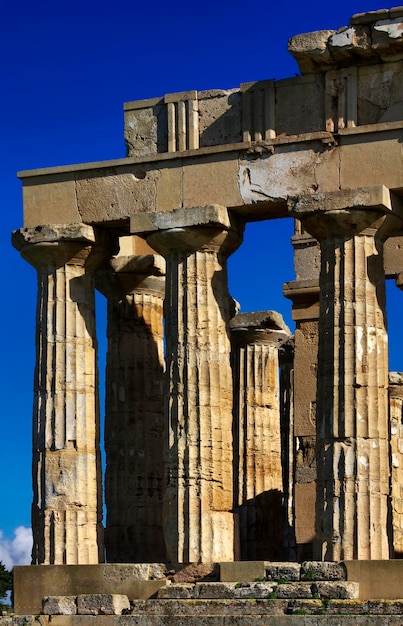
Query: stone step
column 257, row 590
column 281, row 571
column 302, row 618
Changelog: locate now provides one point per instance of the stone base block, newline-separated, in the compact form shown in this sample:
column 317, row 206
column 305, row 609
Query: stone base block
column 378, row 579
column 34, row 582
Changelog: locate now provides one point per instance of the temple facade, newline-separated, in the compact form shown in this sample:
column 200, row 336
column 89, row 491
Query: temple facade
column 227, row 437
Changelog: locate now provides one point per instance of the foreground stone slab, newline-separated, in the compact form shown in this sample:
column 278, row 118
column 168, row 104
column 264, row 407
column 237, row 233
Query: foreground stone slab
column 228, row 612
column 32, row 583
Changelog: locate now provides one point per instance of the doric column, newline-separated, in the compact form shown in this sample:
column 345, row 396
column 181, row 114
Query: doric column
column 396, row 451
column 287, row 411
column 134, row 419
column 198, row 505
column 352, row 396
column 67, row 508
column 258, row 480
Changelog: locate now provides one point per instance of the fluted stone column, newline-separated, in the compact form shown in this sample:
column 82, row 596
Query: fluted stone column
column 198, row 506
column 396, row 451
column 258, row 479
column 287, row 410
column 353, row 504
column 66, row 509
column 134, row 420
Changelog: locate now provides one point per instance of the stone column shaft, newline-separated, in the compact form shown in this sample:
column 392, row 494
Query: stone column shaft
column 198, row 507
column 134, row 421
column 396, row 450
column 66, row 510
column 352, row 404
column 258, row 480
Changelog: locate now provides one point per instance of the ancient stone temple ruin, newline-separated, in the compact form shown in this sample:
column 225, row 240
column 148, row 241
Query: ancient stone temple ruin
column 226, row 437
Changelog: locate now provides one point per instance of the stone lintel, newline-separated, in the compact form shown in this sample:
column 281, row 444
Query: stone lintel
column 53, row 233
column 212, row 215
column 374, row 197
column 150, row 264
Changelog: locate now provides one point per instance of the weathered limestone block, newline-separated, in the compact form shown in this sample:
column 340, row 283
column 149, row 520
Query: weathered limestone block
column 288, row 572
column 134, row 420
column 145, row 127
column 59, row 605
column 376, row 35
column 102, row 604
column 198, row 506
column 310, row 50
column 66, row 510
column 294, row 590
column 396, row 451
column 219, row 117
column 195, row 572
column 352, row 410
column 218, row 590
column 258, row 480
column 323, row 570
column 341, row 590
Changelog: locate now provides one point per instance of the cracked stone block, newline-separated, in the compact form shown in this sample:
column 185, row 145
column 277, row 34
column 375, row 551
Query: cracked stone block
column 341, row 590
column 102, row 604
column 321, row 570
column 59, row 605
column 294, row 590
column 283, row 571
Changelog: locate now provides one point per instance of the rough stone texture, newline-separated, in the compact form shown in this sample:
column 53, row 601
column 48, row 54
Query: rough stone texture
column 134, row 421
column 145, row 127
column 102, row 604
column 218, row 590
column 377, row 36
column 195, row 572
column 286, row 572
column 300, row 105
column 199, row 523
column 219, row 117
column 258, row 479
column 66, row 510
column 319, row 570
column 59, row 605
column 352, row 427
column 396, row 451
column 341, row 590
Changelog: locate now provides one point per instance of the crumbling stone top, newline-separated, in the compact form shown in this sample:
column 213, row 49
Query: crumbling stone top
column 259, row 321
column 371, row 37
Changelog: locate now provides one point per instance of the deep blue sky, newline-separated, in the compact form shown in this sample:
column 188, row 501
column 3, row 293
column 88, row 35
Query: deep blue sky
column 67, row 68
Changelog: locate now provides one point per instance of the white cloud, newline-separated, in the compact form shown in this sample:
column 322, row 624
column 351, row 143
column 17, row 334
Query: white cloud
column 16, row 551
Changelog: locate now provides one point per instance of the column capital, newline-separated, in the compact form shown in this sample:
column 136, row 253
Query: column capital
column 266, row 327
column 61, row 244
column 188, row 230
column 348, row 212
column 144, row 272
